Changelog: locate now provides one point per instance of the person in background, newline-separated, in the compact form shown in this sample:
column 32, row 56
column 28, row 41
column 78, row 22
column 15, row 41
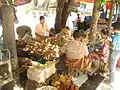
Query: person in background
column 78, row 18
column 114, row 52
column 79, row 23
column 42, row 30
column 86, row 24
column 105, row 48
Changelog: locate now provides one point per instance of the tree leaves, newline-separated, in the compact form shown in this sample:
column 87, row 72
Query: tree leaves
column 102, row 1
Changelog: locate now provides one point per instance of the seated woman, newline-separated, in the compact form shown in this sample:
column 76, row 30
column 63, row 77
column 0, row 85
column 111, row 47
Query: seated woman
column 74, row 50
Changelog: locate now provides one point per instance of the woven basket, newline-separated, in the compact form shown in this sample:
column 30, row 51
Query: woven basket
column 21, row 30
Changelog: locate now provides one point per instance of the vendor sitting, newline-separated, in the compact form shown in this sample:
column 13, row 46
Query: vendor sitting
column 74, row 50
column 42, row 30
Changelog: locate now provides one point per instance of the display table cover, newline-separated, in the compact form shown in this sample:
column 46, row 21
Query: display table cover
column 40, row 74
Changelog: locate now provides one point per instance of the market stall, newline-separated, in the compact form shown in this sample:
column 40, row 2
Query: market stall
column 40, row 57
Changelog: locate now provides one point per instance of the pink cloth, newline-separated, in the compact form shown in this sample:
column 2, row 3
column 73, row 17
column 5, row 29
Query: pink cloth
column 105, row 51
column 79, row 19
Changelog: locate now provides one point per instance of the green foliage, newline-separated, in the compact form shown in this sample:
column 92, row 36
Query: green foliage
column 118, row 1
column 80, row 25
column 52, row 3
column 27, row 11
column 41, row 59
column 74, row 10
column 102, row 1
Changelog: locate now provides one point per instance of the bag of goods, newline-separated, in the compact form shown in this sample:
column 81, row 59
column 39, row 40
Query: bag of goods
column 40, row 72
column 63, row 82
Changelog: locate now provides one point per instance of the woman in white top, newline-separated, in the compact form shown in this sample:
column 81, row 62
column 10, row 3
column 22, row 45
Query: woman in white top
column 75, row 50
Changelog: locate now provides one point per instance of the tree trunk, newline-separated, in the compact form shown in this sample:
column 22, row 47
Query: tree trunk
column 66, row 11
column 45, row 4
column 35, row 2
column 59, row 10
column 111, row 14
column 95, row 17
column 8, row 32
column 9, row 37
column 63, row 10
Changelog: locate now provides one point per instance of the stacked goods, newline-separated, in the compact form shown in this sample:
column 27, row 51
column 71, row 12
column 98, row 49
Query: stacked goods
column 95, row 55
column 40, row 72
column 86, row 38
column 63, row 82
column 48, row 48
column 21, row 43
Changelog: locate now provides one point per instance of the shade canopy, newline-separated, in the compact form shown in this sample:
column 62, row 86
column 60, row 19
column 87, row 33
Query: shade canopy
column 18, row 2
column 21, row 2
